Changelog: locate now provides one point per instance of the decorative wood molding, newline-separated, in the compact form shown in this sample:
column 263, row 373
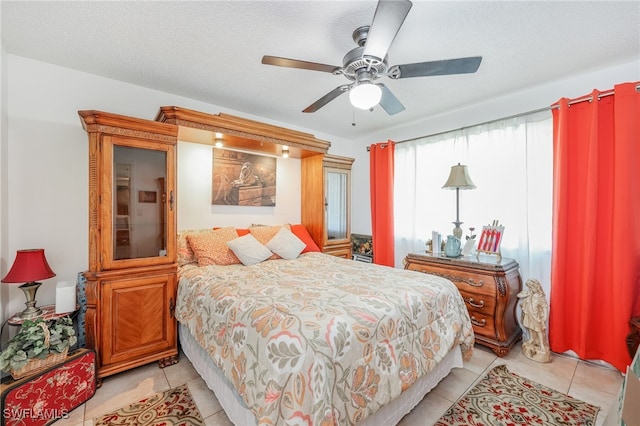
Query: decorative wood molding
column 338, row 162
column 115, row 124
column 240, row 132
column 502, row 285
column 460, row 279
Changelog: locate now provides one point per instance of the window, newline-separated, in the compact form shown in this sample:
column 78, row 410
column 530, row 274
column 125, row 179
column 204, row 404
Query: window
column 510, row 162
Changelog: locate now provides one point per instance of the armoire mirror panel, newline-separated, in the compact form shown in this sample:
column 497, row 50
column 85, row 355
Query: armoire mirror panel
column 336, row 206
column 139, row 224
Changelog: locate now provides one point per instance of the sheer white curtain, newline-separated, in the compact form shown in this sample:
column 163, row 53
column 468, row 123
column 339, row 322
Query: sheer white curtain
column 510, row 162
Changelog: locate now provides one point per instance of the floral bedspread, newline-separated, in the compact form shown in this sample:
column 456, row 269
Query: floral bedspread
column 320, row 340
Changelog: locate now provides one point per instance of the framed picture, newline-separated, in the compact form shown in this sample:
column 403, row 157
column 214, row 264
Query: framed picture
column 490, row 239
column 362, row 244
column 243, row 179
column 147, row 196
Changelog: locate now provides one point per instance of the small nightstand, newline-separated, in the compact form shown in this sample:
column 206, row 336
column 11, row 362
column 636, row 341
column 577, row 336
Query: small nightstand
column 490, row 290
column 48, row 314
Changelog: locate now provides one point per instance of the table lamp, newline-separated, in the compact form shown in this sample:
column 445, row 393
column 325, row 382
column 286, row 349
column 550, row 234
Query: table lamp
column 28, row 267
column 458, row 179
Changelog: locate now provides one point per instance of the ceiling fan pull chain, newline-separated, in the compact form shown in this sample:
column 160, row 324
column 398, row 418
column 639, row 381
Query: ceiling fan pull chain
column 353, row 122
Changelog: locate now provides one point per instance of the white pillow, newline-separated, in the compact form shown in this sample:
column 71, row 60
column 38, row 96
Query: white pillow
column 249, row 250
column 285, row 244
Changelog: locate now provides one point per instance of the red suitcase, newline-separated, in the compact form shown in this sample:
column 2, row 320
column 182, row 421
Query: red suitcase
column 51, row 394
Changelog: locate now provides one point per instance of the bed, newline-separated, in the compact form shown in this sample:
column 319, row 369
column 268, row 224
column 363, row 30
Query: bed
column 314, row 339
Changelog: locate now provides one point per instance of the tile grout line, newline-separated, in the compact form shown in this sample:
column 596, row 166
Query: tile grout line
column 573, row 376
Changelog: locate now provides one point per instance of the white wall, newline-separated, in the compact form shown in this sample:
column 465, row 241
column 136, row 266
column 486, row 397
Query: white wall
column 43, row 157
column 528, row 99
column 194, row 194
column 45, row 184
column 4, row 291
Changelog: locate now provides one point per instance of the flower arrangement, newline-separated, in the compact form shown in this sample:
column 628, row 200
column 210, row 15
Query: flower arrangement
column 37, row 340
column 471, row 235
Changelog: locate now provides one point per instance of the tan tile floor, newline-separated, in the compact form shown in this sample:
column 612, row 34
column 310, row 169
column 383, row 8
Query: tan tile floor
column 591, row 382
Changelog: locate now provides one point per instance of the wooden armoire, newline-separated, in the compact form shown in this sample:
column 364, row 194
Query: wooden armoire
column 132, row 275
column 326, row 202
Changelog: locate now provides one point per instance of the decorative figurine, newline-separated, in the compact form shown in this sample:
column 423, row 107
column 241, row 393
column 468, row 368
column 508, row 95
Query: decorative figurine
column 535, row 311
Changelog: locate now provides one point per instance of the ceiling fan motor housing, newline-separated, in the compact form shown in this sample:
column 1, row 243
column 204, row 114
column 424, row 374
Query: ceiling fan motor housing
column 354, row 63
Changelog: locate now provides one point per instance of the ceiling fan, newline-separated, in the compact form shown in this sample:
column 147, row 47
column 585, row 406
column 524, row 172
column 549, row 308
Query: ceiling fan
column 368, row 62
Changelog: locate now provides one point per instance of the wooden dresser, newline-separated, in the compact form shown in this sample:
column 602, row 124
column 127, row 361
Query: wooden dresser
column 489, row 289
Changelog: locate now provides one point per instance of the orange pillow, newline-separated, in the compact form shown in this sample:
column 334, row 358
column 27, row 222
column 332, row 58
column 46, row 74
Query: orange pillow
column 301, row 232
column 210, row 248
column 241, row 231
column 185, row 253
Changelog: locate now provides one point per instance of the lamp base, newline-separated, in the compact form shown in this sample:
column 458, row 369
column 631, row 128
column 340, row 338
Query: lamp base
column 31, row 311
column 457, row 231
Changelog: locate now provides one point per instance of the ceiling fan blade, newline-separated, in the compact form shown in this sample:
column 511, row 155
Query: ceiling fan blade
column 387, row 20
column 389, row 102
column 327, row 98
column 444, row 67
column 294, row 63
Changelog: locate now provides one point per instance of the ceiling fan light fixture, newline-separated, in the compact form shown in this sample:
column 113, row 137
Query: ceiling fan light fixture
column 365, row 95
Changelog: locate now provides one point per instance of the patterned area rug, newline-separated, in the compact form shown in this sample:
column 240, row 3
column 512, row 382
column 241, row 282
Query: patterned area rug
column 503, row 398
column 174, row 407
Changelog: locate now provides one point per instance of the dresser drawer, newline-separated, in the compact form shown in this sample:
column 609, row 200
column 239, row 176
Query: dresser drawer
column 483, row 325
column 470, row 282
column 479, row 303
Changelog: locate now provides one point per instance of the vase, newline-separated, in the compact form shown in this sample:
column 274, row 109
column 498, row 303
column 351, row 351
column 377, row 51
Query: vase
column 452, row 247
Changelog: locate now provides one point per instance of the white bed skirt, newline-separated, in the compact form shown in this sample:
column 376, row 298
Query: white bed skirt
column 240, row 415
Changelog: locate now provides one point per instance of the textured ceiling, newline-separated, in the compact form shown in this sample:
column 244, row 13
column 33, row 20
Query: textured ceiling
column 211, row 51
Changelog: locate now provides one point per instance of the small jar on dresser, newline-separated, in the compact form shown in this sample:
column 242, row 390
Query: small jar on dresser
column 489, row 288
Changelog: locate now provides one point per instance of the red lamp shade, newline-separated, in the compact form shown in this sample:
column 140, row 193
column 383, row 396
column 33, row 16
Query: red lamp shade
column 30, row 265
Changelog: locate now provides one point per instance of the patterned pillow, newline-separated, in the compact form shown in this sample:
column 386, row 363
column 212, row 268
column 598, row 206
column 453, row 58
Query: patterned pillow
column 185, row 254
column 210, row 248
column 285, row 244
column 249, row 250
column 241, row 231
column 265, row 233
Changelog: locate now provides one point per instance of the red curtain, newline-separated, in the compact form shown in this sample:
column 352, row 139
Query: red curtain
column 381, row 168
column 595, row 267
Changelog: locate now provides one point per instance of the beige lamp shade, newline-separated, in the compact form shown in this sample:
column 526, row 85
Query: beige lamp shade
column 459, row 178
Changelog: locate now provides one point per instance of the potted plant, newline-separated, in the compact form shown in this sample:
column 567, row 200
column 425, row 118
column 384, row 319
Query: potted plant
column 37, row 344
